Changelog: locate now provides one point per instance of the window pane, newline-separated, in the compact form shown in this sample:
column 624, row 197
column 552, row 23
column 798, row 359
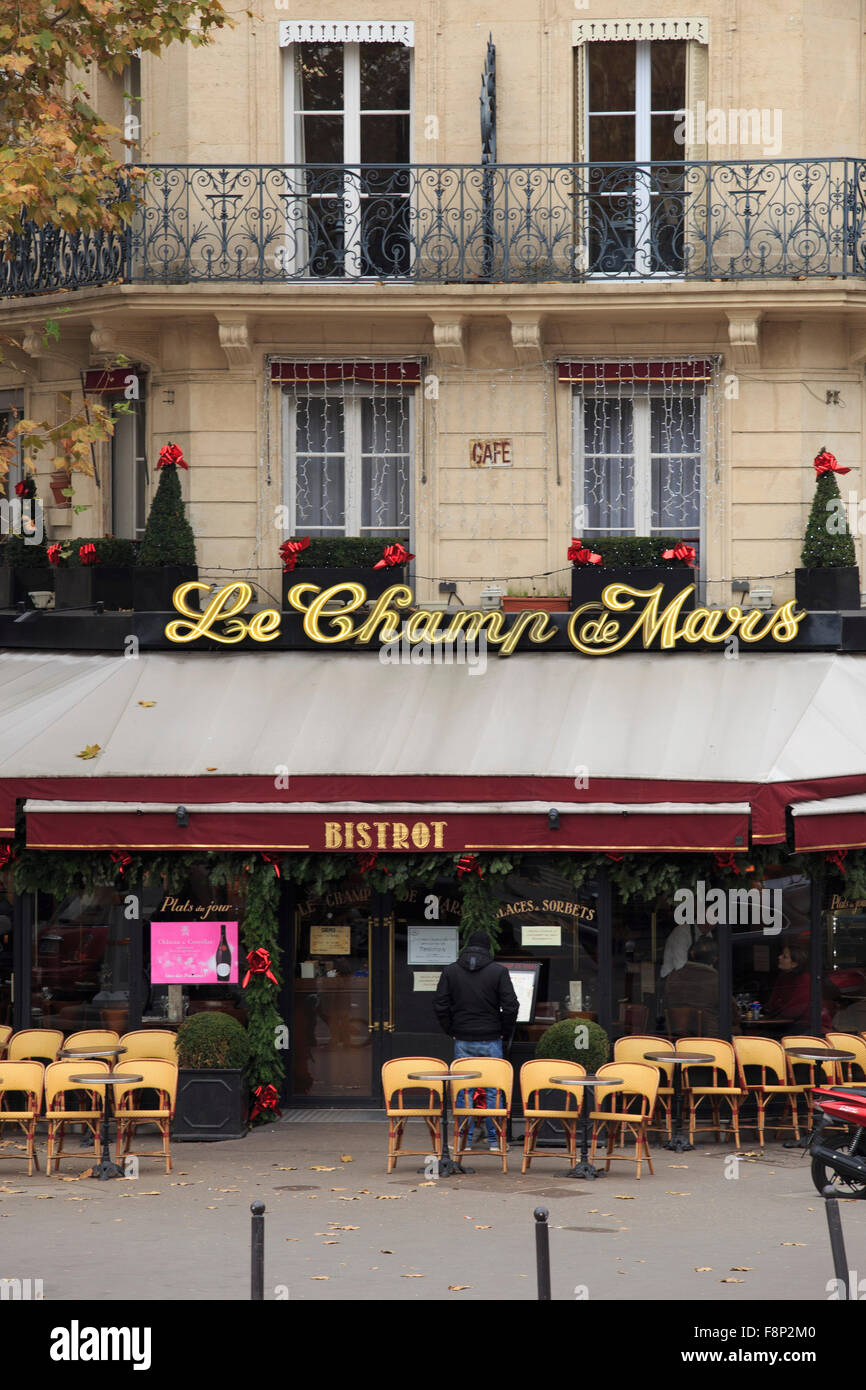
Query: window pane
column 319, row 76
column 676, row 474
column 663, row 144
column 676, row 425
column 385, row 426
column 668, row 62
column 81, row 963
column 320, row 477
column 611, row 77
column 384, row 77
column 385, row 493
column 384, row 139
column 611, row 139
column 320, row 425
column 608, row 484
column 322, row 138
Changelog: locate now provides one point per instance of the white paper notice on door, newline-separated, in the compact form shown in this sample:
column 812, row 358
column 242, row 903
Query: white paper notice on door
column 428, row 945
column 426, row 980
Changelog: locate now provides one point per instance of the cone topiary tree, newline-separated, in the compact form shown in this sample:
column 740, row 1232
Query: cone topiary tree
column 828, row 544
column 168, row 537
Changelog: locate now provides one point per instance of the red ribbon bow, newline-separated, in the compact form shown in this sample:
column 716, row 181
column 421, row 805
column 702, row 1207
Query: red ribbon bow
column 169, row 454
column 367, row 862
column 838, row 855
column 272, row 859
column 258, row 963
column 5, row 855
column 289, row 552
column 617, row 858
column 26, row 488
column 53, row 553
column 579, row 554
column 825, row 462
column 468, row 864
column 393, row 555
column 681, row 551
column 266, row 1098
column 121, row 860
column 727, row 861
column 87, row 554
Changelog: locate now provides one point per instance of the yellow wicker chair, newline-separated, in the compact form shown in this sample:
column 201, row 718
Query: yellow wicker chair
column 534, row 1079
column 395, row 1081
column 768, row 1056
column 724, row 1087
column 58, row 1083
column 632, row 1100
column 803, row 1074
column 150, row 1042
column 96, row 1038
column 156, row 1075
column 850, row 1042
column 34, row 1043
column 495, row 1075
column 634, row 1049
column 27, row 1079
column 5, row 1035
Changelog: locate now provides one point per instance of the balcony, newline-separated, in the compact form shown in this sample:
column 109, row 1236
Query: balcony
column 466, row 224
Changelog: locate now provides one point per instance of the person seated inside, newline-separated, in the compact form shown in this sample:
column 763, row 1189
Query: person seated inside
column 692, row 992
column 791, row 995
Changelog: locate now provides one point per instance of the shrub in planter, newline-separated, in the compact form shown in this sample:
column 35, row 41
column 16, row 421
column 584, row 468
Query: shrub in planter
column 635, row 560
column 559, row 1043
column 93, row 569
column 343, row 560
column 212, row 1052
column 829, row 577
column 166, row 556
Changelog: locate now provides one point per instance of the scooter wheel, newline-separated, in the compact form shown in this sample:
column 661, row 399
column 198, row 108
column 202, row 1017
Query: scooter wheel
column 823, row 1174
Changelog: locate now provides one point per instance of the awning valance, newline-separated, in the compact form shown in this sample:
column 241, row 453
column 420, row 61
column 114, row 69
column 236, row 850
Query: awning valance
column 839, row 822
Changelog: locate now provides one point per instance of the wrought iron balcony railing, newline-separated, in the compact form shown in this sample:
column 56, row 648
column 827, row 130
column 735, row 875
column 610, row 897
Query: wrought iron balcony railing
column 786, row 218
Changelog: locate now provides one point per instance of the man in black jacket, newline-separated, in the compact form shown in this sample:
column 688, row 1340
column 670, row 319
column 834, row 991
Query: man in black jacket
column 476, row 1004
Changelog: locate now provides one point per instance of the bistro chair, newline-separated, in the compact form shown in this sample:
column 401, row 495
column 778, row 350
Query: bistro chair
column 722, row 1088
column 633, row 1049
column 150, row 1042
column 95, row 1038
column 35, row 1043
column 395, row 1082
column 534, row 1080
column 58, row 1084
column 156, row 1075
column 496, row 1075
column 25, row 1079
column 631, row 1105
column 767, row 1057
column 803, row 1074
column 5, row 1035
column 682, row 1019
column 850, row 1042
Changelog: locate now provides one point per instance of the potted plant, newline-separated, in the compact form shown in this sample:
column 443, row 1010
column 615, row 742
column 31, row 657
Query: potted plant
column 829, row 578
column 25, row 569
column 544, row 603
column 212, row 1052
column 640, row 561
column 377, row 564
column 61, row 487
column 166, row 556
column 575, row 1040
column 93, row 570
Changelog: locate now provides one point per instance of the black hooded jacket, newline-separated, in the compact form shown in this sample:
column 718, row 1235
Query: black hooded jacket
column 475, row 1001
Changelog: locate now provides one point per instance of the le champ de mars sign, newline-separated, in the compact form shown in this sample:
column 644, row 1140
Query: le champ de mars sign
column 626, row 617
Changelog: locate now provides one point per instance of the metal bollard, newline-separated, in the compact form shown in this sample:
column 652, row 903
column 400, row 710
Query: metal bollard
column 837, row 1239
column 542, row 1253
column 257, row 1279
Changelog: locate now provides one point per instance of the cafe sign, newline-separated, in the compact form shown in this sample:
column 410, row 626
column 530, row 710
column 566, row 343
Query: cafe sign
column 626, row 618
column 491, row 453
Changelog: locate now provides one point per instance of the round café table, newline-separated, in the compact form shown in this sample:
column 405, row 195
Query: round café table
column 90, row 1054
column 585, row 1169
column 679, row 1144
column 106, row 1168
column 446, row 1166
column 814, row 1054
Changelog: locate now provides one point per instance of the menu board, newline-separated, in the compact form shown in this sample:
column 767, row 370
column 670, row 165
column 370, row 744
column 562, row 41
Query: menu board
column 194, row 953
column 524, row 978
column 432, row 945
column 331, row 941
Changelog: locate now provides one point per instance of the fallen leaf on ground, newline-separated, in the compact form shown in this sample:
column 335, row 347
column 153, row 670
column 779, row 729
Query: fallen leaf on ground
column 210, row 769
column 386, row 1252
column 336, row 1189
column 394, row 1197
column 678, row 1165
column 794, row 1242
column 147, row 704
column 148, row 1194
column 741, row 1269
column 457, row 1288
column 320, row 1276
column 89, row 750
column 330, row 1242
column 224, row 1189
column 670, row 1193
column 484, row 1228
column 732, row 1281
column 428, row 1184
column 43, row 1196
column 623, row 1197
column 348, row 1199
column 282, row 1169
column 703, row 1269
column 335, row 1227
column 293, row 1237
column 346, row 1158
column 320, row 1168
column 411, row 1276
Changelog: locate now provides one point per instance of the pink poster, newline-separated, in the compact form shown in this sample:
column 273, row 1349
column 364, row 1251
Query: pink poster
column 194, row 953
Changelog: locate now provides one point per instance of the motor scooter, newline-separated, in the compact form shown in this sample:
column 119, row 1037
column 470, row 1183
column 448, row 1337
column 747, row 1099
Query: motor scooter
column 839, row 1159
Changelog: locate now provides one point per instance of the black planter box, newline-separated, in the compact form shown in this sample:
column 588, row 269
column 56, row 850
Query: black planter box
column 153, row 586
column 211, row 1104
column 374, row 581
column 28, row 581
column 825, row 590
column 587, row 582
column 85, row 585
column 7, row 587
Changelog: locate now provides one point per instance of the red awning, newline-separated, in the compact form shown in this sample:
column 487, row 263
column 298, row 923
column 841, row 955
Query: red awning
column 650, row 373
column 109, row 381
column 308, row 373
column 836, row 823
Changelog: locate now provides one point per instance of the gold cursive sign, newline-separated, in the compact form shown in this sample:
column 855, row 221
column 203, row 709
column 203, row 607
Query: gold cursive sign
column 339, row 614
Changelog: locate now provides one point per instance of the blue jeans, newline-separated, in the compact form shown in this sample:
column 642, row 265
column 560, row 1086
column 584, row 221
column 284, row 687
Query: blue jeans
column 479, row 1049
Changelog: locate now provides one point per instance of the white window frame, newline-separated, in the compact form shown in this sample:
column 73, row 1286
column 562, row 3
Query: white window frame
column 350, row 115
column 351, row 393
column 643, row 114
column 643, row 457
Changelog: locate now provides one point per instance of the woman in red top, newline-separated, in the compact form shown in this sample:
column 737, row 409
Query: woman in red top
column 791, row 995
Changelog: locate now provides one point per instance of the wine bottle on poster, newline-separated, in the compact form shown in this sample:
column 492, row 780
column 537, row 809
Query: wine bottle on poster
column 223, row 956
